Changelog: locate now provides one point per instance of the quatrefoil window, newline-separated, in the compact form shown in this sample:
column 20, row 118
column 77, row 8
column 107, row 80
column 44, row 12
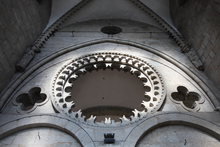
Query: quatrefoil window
column 189, row 100
column 28, row 101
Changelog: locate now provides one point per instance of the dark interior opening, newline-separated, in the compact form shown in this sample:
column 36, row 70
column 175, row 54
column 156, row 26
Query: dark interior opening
column 111, row 30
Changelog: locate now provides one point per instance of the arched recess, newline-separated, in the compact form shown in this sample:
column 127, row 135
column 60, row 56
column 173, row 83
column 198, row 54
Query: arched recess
column 166, row 119
column 40, row 136
column 177, row 135
column 191, row 73
column 50, row 121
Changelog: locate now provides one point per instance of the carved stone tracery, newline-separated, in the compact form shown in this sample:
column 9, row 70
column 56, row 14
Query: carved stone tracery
column 154, row 93
column 187, row 99
column 27, row 102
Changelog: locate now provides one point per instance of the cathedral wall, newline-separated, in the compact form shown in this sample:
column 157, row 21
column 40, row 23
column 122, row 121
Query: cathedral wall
column 137, row 39
column 21, row 22
column 87, row 34
column 199, row 22
column 43, row 96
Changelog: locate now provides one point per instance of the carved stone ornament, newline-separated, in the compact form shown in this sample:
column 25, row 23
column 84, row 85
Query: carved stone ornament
column 189, row 100
column 154, row 95
column 29, row 101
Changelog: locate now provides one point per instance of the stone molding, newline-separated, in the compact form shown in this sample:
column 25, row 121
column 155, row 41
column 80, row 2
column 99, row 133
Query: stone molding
column 171, row 119
column 131, row 136
column 175, row 35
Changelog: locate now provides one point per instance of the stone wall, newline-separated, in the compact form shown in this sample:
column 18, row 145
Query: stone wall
column 42, row 137
column 198, row 21
column 21, row 22
column 177, row 135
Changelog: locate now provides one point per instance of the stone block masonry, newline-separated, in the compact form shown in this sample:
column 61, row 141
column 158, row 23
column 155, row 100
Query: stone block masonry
column 21, row 22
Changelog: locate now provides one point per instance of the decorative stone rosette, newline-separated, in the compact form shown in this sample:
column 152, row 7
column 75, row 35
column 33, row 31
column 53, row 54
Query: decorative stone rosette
column 153, row 97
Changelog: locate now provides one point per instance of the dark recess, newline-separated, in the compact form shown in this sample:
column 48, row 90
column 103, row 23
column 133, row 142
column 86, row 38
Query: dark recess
column 111, row 30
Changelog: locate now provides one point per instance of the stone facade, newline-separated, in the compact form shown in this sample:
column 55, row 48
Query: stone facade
column 179, row 105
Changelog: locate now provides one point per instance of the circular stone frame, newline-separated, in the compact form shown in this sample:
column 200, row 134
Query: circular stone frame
column 154, row 95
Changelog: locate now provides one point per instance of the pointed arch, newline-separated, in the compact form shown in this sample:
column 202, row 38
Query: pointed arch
column 9, row 90
column 173, row 33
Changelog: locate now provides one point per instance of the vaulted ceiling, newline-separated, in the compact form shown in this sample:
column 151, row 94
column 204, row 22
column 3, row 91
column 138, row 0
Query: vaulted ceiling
column 102, row 9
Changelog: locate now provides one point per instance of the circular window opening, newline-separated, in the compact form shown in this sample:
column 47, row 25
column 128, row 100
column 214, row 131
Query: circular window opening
column 107, row 86
column 111, row 30
column 107, row 93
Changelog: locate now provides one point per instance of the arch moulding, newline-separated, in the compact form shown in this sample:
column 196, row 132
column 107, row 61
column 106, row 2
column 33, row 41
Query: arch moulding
column 173, row 118
column 52, row 121
column 191, row 73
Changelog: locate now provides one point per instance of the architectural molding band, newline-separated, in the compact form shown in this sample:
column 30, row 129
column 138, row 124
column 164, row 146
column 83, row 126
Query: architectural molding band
column 175, row 35
column 56, row 25
column 151, row 122
column 52, row 121
column 5, row 95
column 42, row 39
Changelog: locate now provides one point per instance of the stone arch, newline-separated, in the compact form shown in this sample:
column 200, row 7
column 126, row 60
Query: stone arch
column 40, row 136
column 51, row 121
column 176, row 118
column 187, row 70
column 177, row 135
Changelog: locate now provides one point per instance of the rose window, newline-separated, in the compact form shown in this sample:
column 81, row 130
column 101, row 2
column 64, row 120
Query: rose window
column 108, row 86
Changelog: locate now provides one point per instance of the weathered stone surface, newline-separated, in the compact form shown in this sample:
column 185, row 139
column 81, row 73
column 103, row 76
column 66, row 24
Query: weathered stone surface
column 40, row 137
column 198, row 21
column 21, row 22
